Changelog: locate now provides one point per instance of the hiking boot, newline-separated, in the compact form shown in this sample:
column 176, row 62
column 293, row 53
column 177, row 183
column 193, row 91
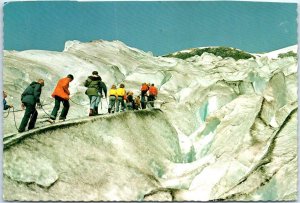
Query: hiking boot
column 62, row 119
column 20, row 131
column 96, row 111
column 91, row 112
column 109, row 110
column 51, row 121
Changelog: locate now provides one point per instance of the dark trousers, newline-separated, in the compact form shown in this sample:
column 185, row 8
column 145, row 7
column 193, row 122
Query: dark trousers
column 64, row 112
column 143, row 101
column 151, row 99
column 30, row 113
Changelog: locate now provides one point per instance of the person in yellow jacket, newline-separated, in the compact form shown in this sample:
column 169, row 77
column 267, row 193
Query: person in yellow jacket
column 120, row 100
column 112, row 99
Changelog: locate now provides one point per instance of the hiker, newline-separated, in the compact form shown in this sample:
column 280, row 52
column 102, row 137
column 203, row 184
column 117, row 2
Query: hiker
column 129, row 101
column 120, row 100
column 30, row 98
column 112, row 99
column 102, row 92
column 137, row 103
column 144, row 90
column 152, row 95
column 93, row 84
column 61, row 94
column 5, row 105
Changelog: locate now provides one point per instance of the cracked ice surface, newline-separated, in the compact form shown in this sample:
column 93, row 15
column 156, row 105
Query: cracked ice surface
column 228, row 130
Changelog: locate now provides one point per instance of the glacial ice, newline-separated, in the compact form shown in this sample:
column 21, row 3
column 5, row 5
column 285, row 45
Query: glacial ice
column 227, row 130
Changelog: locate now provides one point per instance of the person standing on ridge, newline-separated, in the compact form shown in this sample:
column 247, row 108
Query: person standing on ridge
column 30, row 98
column 152, row 95
column 102, row 93
column 93, row 83
column 112, row 99
column 137, row 103
column 129, row 101
column 144, row 90
column 5, row 105
column 120, row 100
column 61, row 93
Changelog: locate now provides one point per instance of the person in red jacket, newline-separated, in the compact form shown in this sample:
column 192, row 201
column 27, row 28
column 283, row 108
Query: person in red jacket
column 144, row 90
column 152, row 95
column 61, row 93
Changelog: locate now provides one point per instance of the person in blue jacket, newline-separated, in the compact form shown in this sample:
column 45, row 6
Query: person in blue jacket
column 5, row 105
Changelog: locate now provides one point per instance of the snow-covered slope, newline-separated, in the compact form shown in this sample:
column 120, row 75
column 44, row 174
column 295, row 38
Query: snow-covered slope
column 274, row 54
column 235, row 121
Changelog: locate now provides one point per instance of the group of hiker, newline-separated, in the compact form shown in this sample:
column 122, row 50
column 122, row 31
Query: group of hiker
column 119, row 99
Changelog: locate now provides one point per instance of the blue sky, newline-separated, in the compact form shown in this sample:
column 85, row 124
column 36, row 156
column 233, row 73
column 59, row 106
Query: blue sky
column 159, row 27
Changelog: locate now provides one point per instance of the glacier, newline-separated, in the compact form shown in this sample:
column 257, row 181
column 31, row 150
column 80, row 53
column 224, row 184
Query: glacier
column 222, row 129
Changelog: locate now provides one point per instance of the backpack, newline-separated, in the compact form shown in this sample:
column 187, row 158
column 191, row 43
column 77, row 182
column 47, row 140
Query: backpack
column 102, row 88
column 153, row 91
column 144, row 87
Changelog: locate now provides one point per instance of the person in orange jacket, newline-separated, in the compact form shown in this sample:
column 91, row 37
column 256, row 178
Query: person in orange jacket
column 152, row 95
column 144, row 90
column 61, row 94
